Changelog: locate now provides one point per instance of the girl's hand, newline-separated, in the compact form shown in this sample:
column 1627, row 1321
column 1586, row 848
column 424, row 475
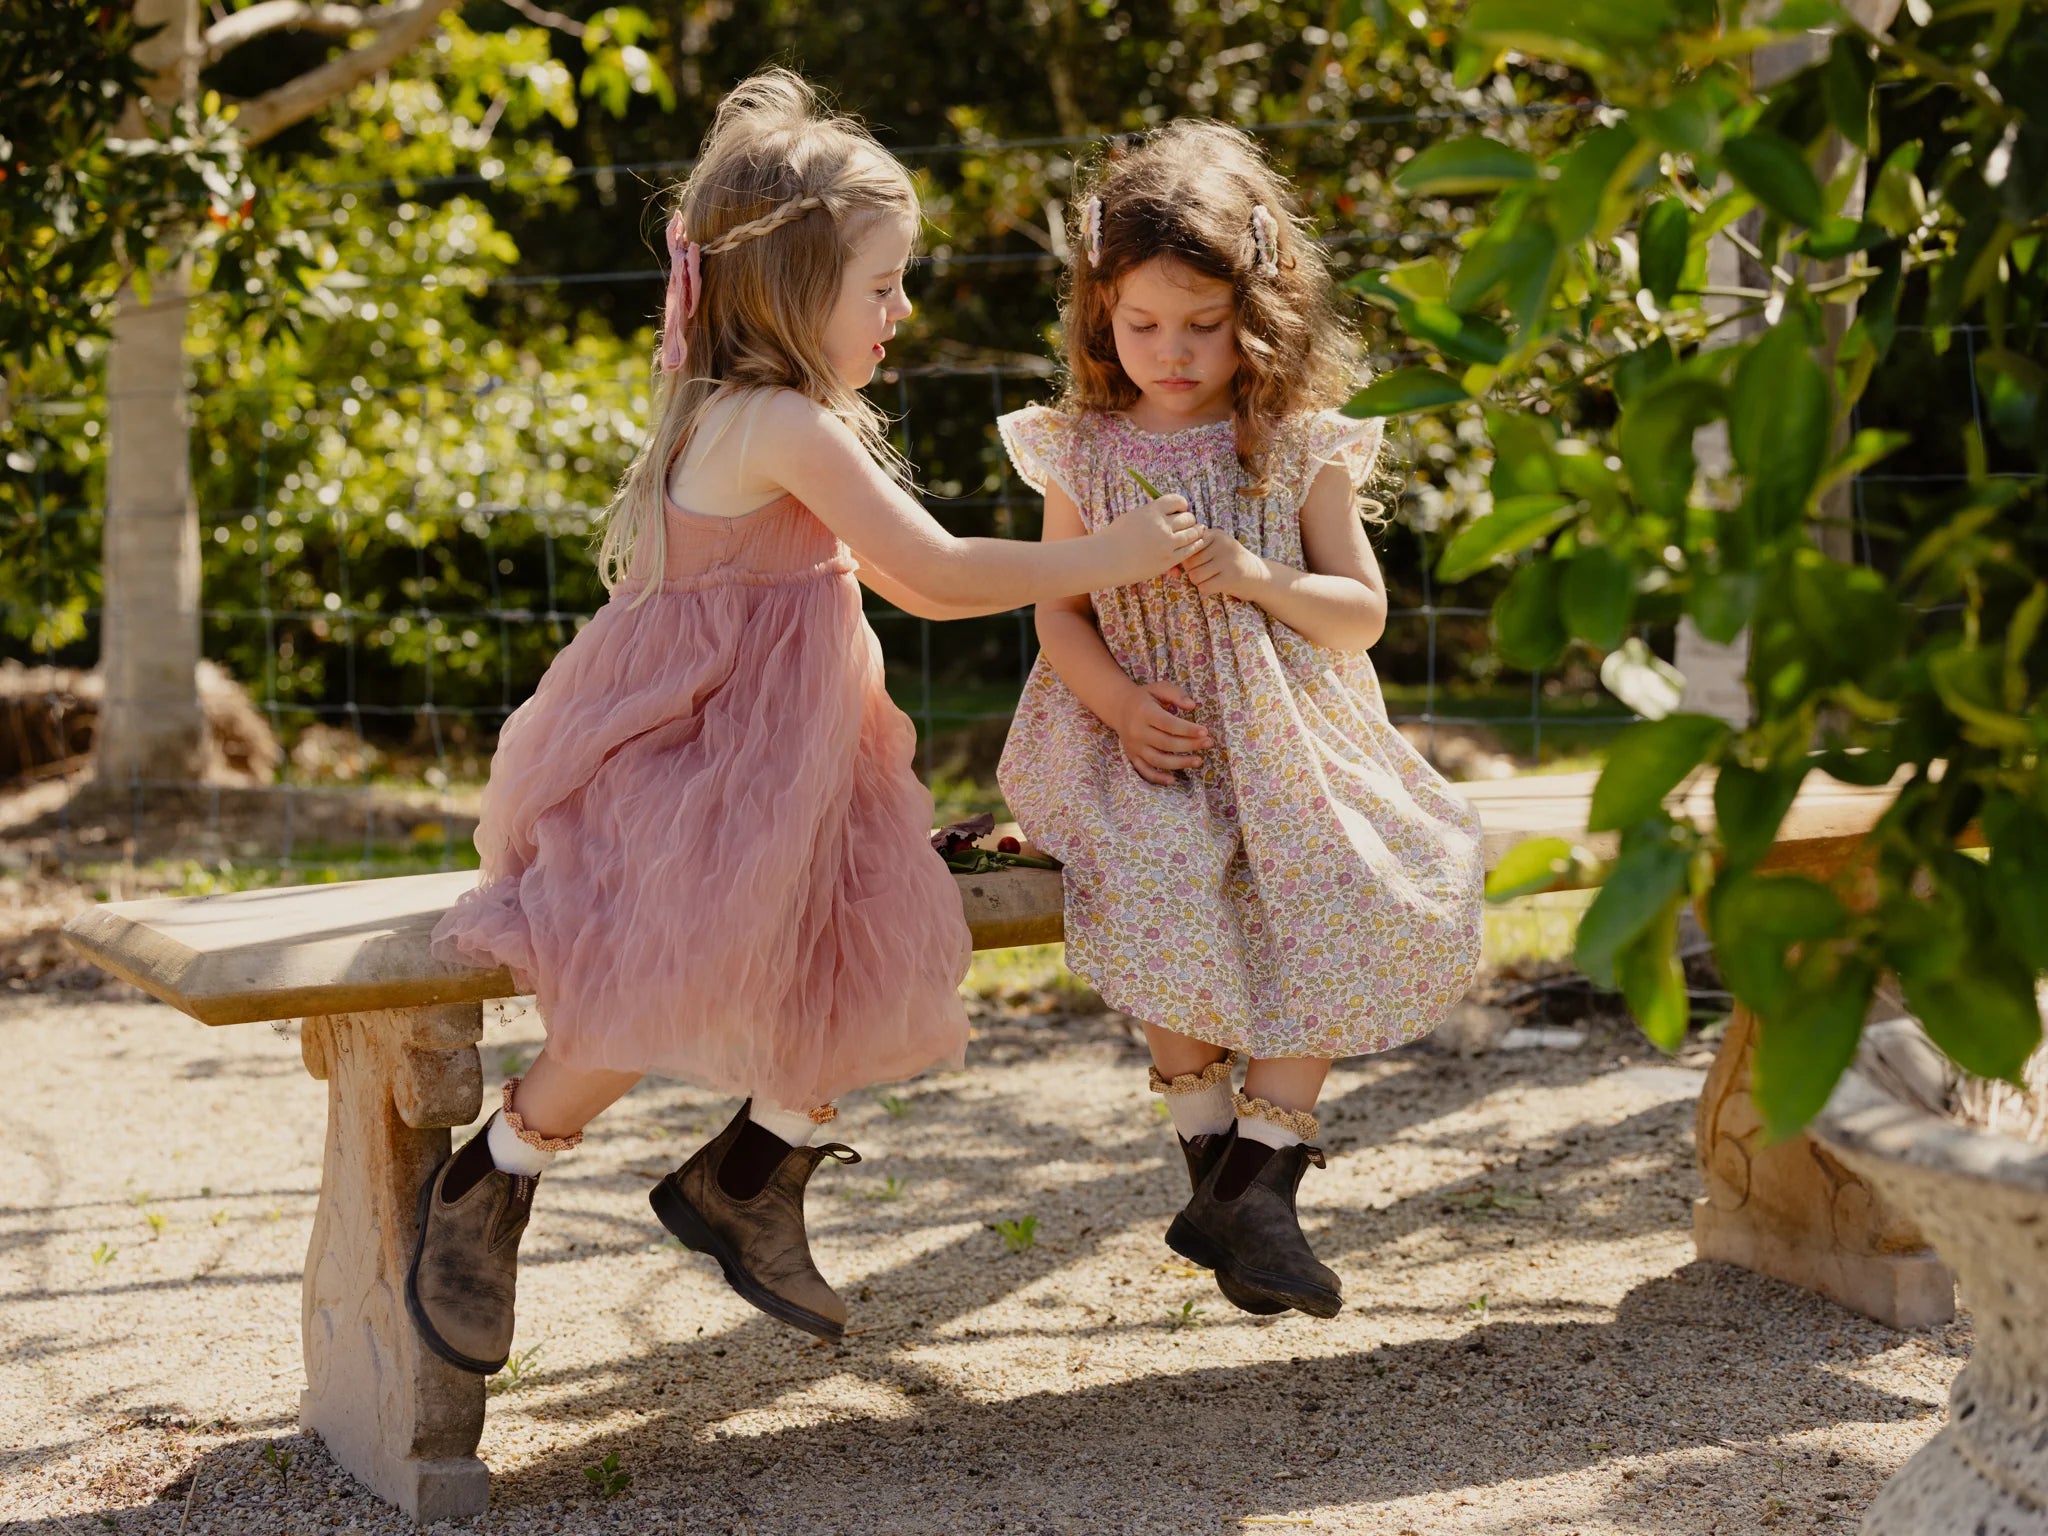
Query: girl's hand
column 1219, row 566
column 1145, row 543
column 1155, row 739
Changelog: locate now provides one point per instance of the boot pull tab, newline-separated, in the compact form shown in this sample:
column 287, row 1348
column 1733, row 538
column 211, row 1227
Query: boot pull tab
column 1314, row 1155
column 839, row 1152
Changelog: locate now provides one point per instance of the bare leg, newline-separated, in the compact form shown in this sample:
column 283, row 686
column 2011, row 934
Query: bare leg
column 555, row 1100
column 1177, row 1055
column 1291, row 1082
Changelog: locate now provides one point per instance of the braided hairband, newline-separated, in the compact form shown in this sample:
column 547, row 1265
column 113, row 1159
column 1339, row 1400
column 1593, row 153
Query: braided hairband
column 1265, row 237
column 685, row 275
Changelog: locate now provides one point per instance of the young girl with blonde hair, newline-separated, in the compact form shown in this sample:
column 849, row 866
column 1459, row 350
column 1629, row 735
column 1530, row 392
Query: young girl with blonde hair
column 703, row 847
column 1256, row 860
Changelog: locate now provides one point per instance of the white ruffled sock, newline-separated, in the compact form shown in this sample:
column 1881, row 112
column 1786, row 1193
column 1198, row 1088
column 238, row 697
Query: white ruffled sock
column 513, row 1155
column 1201, row 1103
column 792, row 1125
column 1256, row 1128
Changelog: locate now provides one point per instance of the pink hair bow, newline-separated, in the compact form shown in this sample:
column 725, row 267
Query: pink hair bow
column 685, row 288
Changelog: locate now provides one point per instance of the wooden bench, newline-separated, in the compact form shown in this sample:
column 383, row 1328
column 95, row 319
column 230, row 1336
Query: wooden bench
column 393, row 1032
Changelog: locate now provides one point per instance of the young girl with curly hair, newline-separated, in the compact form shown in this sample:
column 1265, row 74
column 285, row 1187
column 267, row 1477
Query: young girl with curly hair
column 1256, row 860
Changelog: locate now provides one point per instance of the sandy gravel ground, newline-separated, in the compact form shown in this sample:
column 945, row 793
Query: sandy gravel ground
column 1528, row 1345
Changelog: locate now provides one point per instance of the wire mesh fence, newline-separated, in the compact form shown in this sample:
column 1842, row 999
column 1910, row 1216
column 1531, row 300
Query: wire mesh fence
column 398, row 562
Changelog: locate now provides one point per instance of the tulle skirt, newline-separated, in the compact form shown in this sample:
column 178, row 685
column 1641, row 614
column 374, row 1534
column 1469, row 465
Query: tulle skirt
column 706, row 853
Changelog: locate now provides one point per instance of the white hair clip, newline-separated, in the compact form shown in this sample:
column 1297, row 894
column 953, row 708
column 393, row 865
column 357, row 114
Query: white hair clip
column 1091, row 230
column 1265, row 241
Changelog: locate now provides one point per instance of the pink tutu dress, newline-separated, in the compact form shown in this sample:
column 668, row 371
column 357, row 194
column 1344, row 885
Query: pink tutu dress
column 703, row 845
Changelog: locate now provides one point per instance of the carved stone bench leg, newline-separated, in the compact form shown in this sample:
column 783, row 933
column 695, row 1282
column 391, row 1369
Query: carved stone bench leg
column 401, row 1420
column 1795, row 1212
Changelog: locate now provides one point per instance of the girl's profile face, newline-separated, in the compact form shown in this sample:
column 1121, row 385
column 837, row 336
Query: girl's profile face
column 1176, row 339
column 871, row 303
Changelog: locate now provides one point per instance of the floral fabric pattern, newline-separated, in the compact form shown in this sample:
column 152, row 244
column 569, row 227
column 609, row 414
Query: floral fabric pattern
column 1314, row 888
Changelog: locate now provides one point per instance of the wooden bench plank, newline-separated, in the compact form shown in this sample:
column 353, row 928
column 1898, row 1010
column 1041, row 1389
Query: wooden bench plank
column 362, row 945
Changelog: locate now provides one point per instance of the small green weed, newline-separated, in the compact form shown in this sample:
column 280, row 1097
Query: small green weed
column 1478, row 1308
column 279, row 1462
column 607, row 1479
column 102, row 1255
column 1189, row 1316
column 219, row 1218
column 895, row 1106
column 1160, row 1111
column 157, row 1222
column 1019, row 1234
column 514, row 1371
column 892, row 1188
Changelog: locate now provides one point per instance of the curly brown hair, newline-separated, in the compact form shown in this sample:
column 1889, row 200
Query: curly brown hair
column 1186, row 192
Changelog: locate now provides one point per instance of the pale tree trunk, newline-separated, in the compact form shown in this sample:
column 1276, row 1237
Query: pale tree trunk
column 150, row 724
column 1716, row 676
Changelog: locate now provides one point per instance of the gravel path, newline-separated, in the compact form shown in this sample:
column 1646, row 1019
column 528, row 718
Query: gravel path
column 1528, row 1345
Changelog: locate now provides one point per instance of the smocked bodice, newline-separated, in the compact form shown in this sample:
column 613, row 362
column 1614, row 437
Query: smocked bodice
column 773, row 545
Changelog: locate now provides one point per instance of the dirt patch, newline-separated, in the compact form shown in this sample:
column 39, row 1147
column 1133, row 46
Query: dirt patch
column 1528, row 1344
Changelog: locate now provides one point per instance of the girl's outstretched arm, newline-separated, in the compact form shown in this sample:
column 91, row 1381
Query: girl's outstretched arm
column 1155, row 739
column 812, row 454
column 1339, row 602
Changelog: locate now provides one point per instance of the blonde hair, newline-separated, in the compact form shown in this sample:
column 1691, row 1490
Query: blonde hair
column 1187, row 192
column 781, row 191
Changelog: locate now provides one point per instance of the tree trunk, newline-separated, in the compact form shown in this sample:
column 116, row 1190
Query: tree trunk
column 150, row 725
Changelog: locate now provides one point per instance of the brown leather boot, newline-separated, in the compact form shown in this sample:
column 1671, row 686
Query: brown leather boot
column 759, row 1242
column 465, row 1262
column 1255, row 1240
column 1202, row 1154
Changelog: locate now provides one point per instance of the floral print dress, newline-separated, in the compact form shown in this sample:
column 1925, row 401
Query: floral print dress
column 1314, row 888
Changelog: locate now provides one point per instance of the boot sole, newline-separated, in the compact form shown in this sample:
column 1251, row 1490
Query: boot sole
column 675, row 1212
column 1184, row 1240
column 428, row 1336
column 1278, row 1292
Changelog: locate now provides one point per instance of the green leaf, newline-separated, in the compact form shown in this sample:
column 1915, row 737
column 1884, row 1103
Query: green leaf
column 1642, row 680
column 1749, row 804
column 2017, row 877
column 1983, row 1015
column 1405, row 390
column 1583, row 33
column 1468, row 338
column 1647, row 876
column 1776, row 174
column 1530, row 282
column 2019, row 642
column 1646, row 763
column 1846, row 83
column 1803, row 1048
column 1666, row 229
column 1460, row 166
column 1968, row 680
column 1526, row 628
column 1779, row 419
column 1584, row 178
column 1595, row 596
column 1756, row 921
column 1540, row 864
column 1642, row 368
column 1897, row 200
column 1423, row 279
column 1522, row 462
column 1687, row 124
column 1836, row 238
column 1655, row 438
column 1721, row 604
column 1652, row 980
column 1487, row 261
column 1511, row 526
